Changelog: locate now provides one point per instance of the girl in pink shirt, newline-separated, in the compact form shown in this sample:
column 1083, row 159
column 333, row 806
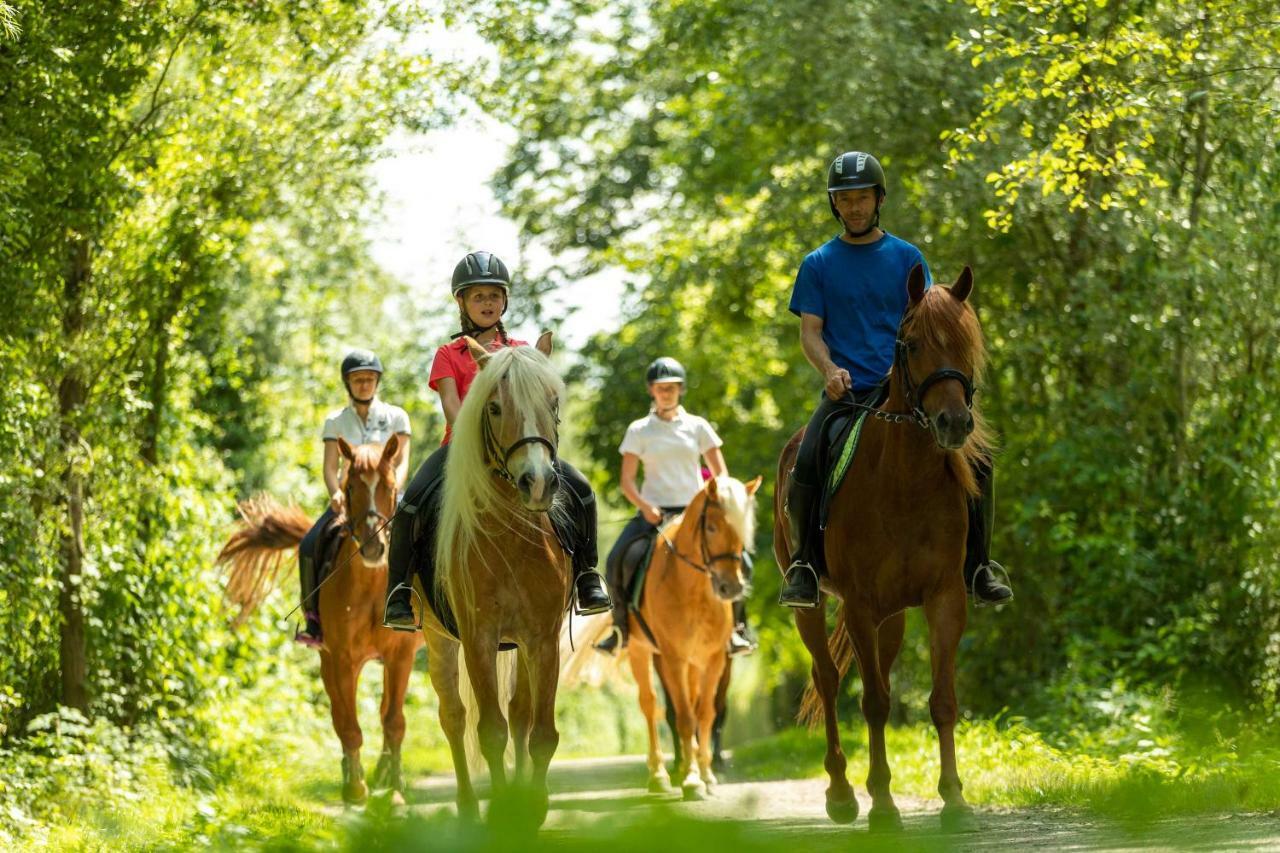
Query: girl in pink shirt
column 480, row 285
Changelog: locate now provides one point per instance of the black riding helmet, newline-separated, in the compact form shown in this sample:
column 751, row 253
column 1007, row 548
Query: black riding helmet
column 480, row 268
column 360, row 359
column 855, row 170
column 665, row 369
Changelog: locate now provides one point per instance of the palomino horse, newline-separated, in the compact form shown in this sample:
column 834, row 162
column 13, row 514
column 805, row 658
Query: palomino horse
column 684, row 622
column 895, row 538
column 502, row 571
column 351, row 604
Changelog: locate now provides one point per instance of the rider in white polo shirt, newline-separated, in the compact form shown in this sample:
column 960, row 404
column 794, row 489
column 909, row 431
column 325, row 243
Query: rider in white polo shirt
column 365, row 420
column 670, row 443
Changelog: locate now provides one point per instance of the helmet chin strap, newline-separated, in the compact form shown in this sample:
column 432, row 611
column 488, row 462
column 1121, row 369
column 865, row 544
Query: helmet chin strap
column 356, row 399
column 875, row 221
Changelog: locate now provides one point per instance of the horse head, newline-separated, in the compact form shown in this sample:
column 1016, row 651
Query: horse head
column 521, row 420
column 369, row 485
column 725, row 509
column 941, row 341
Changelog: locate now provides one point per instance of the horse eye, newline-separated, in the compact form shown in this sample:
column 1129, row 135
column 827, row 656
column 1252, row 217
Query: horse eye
column 712, row 527
column 495, row 409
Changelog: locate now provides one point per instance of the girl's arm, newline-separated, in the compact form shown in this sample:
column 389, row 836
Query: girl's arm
column 630, row 464
column 447, row 388
column 331, row 477
column 715, row 461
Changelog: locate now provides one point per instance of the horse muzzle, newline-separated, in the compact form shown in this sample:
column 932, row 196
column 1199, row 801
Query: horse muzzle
column 952, row 427
column 729, row 589
column 537, row 487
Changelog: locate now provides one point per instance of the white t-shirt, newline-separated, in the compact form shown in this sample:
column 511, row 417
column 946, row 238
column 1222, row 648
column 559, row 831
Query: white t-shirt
column 670, row 451
column 383, row 421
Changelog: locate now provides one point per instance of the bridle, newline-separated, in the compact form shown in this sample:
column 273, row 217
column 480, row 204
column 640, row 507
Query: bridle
column 370, row 514
column 708, row 559
column 494, row 453
column 914, row 393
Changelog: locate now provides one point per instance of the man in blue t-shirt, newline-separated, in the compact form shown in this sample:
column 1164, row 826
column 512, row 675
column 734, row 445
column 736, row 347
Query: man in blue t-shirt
column 850, row 295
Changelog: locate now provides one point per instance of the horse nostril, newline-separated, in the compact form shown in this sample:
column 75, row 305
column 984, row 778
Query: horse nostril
column 525, row 482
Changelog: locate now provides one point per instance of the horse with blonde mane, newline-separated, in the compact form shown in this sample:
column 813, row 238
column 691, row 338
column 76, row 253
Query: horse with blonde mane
column 684, row 620
column 495, row 542
column 895, row 538
column 350, row 605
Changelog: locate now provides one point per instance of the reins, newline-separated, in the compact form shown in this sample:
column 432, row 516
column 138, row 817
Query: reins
column 708, row 559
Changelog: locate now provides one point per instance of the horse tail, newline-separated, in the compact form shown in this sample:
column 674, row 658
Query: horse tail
column 579, row 662
column 254, row 552
column 840, row 645
column 506, row 668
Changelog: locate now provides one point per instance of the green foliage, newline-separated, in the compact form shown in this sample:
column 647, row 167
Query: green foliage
column 1123, row 300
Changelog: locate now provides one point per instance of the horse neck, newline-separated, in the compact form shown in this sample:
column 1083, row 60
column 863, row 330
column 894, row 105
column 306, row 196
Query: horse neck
column 910, row 450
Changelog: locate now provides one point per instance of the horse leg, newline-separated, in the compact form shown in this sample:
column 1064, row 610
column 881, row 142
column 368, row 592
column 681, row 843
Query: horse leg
column 396, row 667
column 722, row 713
column 442, row 657
column 341, row 682
column 482, row 667
column 842, row 805
column 544, row 676
column 706, row 713
column 641, row 662
column 676, row 675
column 946, row 615
column 521, row 710
column 864, row 635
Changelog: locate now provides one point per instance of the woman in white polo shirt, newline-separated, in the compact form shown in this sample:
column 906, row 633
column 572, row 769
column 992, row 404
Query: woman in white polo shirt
column 670, row 443
column 365, row 420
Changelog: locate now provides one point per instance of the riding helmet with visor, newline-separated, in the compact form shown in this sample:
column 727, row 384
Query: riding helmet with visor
column 665, row 369
column 855, row 170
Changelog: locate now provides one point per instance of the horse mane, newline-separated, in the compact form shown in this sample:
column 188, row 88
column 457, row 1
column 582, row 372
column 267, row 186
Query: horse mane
column 739, row 508
column 474, row 505
column 942, row 322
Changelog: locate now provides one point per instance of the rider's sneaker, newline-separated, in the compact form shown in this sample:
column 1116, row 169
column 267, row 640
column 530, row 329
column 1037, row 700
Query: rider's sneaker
column 589, row 594
column 801, row 589
column 398, row 615
column 987, row 589
column 741, row 642
column 310, row 634
column 611, row 644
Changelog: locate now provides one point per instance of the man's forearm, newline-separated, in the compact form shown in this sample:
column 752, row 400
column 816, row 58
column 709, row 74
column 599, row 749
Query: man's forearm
column 815, row 350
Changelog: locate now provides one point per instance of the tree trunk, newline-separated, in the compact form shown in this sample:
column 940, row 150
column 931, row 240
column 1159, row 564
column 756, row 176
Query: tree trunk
column 71, row 397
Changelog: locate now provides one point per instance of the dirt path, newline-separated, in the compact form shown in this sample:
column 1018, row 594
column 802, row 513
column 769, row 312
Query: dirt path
column 604, row 793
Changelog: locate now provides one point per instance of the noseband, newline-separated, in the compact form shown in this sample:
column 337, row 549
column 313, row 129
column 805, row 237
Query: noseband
column 493, row 450
column 708, row 559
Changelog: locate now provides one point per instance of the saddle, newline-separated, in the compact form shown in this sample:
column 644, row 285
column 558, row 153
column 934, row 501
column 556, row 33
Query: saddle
column 422, row 557
column 839, row 445
column 331, row 539
column 635, row 566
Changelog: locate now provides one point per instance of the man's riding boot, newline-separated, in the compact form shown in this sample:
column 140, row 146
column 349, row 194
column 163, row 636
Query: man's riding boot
column 310, row 634
column 801, row 587
column 742, row 641
column 398, row 612
column 982, row 575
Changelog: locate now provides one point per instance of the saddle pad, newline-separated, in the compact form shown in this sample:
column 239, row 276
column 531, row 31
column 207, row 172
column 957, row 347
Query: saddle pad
column 331, row 539
column 843, row 448
column 639, row 559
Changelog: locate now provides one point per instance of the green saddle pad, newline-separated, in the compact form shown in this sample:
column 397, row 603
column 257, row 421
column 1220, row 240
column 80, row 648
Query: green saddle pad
column 843, row 451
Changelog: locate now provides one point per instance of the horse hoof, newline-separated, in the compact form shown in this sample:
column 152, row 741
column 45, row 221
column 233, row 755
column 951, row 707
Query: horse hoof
column 355, row 795
column 659, row 785
column 884, row 819
column 959, row 819
column 842, row 811
column 694, row 792
column 397, row 800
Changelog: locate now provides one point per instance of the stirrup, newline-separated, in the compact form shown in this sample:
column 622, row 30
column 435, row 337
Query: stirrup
column 399, row 626
column 1000, row 575
column 798, row 565
column 599, row 608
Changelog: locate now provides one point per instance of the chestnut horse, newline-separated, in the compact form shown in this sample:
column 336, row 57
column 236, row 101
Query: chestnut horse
column 895, row 538
column 684, row 621
column 503, row 573
column 351, row 602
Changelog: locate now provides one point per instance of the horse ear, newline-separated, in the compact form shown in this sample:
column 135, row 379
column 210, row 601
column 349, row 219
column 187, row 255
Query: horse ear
column 389, row 450
column 712, row 489
column 479, row 353
column 963, row 286
column 544, row 344
column 345, row 449
column 915, row 283
column 753, row 486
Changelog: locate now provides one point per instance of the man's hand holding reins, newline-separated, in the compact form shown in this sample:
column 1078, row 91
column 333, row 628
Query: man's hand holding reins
column 838, row 382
